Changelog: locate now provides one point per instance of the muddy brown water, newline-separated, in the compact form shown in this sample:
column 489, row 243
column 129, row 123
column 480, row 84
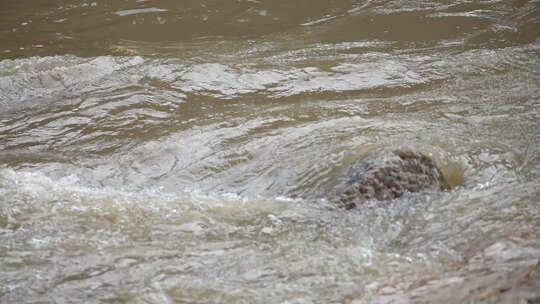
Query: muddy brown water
column 177, row 151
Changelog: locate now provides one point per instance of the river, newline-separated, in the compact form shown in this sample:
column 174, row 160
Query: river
column 180, row 151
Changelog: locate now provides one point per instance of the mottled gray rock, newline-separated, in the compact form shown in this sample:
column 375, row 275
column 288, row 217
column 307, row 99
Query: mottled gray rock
column 389, row 177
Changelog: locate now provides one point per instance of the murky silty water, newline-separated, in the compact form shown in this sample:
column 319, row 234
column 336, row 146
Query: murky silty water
column 179, row 151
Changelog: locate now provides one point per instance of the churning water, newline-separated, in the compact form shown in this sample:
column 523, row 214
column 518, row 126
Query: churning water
column 177, row 151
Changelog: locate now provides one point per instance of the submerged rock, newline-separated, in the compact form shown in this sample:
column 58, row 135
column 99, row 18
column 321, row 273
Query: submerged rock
column 389, row 177
column 507, row 271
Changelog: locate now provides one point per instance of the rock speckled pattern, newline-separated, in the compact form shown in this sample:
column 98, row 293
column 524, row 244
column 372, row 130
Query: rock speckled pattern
column 390, row 177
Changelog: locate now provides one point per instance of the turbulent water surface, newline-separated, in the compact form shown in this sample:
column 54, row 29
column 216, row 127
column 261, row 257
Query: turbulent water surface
column 181, row 151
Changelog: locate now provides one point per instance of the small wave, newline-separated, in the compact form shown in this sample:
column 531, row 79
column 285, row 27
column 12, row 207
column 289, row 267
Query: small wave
column 25, row 79
column 68, row 195
column 139, row 11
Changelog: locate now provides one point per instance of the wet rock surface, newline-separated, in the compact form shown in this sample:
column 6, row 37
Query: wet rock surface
column 389, row 177
column 507, row 271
